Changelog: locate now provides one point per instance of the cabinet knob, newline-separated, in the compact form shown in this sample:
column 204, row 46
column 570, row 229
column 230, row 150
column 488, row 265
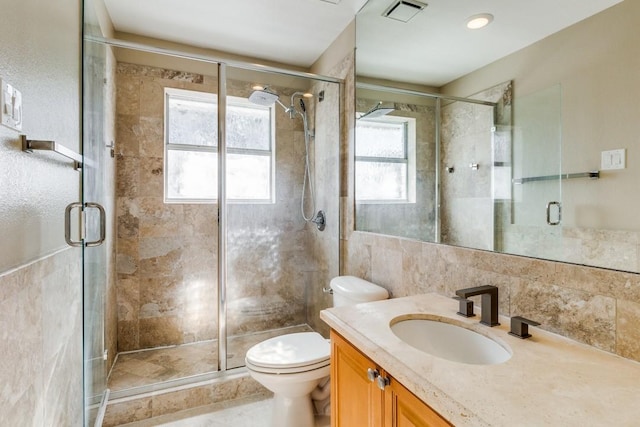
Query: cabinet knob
column 383, row 382
column 372, row 374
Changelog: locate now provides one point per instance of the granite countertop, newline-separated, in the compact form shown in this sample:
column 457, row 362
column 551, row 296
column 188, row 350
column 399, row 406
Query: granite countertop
column 548, row 381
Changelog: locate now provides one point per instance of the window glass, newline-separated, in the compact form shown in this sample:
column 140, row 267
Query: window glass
column 192, row 152
column 248, row 127
column 380, row 139
column 381, row 181
column 382, row 159
column 192, row 122
column 192, row 175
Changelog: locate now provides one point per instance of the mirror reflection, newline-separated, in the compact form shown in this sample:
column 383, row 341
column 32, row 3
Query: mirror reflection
column 531, row 154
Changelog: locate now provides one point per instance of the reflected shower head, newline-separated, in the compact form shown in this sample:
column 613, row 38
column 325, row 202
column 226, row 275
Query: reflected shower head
column 377, row 111
column 263, row 97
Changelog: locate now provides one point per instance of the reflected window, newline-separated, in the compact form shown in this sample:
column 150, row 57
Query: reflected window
column 385, row 160
column 191, row 148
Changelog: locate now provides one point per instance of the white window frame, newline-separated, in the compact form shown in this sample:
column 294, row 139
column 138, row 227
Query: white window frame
column 231, row 101
column 409, row 159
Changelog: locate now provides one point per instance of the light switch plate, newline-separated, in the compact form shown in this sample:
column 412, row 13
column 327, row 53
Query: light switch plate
column 614, row 159
column 11, row 106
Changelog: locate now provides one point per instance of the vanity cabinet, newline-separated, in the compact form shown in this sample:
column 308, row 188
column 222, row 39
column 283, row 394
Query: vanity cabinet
column 364, row 395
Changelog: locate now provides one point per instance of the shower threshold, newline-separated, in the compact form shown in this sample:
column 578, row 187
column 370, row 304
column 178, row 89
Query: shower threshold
column 153, row 367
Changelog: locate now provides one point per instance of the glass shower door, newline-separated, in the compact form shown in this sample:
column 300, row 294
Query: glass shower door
column 97, row 258
column 535, row 228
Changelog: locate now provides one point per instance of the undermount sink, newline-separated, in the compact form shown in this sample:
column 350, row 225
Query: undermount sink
column 449, row 341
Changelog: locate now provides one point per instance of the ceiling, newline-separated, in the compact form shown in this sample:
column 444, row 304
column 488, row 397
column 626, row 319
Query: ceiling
column 432, row 49
column 294, row 32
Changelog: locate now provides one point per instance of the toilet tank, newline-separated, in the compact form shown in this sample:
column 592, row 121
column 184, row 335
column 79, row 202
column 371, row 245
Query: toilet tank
column 349, row 290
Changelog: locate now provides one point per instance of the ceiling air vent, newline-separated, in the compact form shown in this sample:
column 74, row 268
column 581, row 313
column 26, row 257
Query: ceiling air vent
column 403, row 10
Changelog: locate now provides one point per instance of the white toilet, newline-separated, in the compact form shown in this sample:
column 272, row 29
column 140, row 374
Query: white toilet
column 292, row 365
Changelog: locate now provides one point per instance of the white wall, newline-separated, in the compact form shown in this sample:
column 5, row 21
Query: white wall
column 39, row 55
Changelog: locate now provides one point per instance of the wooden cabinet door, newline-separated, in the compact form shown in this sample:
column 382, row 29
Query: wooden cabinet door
column 404, row 409
column 356, row 401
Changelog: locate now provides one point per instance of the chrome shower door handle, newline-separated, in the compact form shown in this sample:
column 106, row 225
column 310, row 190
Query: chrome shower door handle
column 103, row 225
column 549, row 213
column 67, row 224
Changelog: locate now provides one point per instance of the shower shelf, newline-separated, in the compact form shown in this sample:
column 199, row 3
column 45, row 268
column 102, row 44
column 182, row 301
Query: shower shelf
column 590, row 175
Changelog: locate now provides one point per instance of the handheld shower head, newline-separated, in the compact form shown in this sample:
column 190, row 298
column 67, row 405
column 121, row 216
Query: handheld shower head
column 302, row 106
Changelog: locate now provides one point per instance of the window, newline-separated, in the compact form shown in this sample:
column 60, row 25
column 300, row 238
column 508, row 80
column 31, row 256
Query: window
column 191, row 148
column 385, row 160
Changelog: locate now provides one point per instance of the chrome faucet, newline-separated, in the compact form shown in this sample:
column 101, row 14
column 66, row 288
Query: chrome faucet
column 489, row 301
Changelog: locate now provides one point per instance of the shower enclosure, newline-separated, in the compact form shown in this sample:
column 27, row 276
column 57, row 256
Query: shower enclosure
column 432, row 167
column 212, row 251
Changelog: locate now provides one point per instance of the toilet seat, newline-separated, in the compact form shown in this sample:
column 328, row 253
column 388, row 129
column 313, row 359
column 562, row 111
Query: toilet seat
column 289, row 354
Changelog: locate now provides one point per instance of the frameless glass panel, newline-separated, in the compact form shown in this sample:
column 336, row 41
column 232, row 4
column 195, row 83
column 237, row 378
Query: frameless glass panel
column 97, row 277
column 537, row 142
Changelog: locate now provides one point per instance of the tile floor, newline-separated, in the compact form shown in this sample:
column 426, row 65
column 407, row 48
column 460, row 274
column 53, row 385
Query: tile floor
column 249, row 412
column 142, row 368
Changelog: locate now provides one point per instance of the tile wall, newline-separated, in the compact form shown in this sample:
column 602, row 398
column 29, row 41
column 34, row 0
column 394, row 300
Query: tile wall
column 41, row 344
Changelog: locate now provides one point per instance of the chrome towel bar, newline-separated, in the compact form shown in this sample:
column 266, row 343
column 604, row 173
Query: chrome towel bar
column 29, row 145
column 590, row 174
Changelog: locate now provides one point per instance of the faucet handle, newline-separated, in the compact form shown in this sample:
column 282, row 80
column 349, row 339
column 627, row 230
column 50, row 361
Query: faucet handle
column 466, row 307
column 520, row 327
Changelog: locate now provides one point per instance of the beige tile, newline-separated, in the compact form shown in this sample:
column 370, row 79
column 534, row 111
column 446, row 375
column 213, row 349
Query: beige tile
column 128, row 133
column 159, row 331
column 581, row 316
column 126, row 412
column 151, row 177
column 628, row 333
column 128, row 335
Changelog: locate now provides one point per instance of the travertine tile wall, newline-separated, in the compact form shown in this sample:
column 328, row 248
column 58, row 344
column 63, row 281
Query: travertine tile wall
column 41, row 364
column 595, row 306
column 326, row 163
column 166, row 253
column 467, row 207
column 419, row 217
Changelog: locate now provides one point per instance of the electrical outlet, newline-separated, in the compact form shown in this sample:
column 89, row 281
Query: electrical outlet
column 11, row 106
column 614, row 159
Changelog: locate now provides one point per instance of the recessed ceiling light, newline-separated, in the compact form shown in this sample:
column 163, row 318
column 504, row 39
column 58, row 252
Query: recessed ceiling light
column 481, row 20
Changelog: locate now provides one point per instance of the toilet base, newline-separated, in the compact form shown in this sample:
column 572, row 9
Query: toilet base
column 292, row 411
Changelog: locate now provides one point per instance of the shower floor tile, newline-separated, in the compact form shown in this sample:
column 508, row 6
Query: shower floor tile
column 248, row 412
column 147, row 367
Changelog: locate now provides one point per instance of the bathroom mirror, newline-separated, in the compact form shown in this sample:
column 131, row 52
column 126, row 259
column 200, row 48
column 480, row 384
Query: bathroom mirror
column 546, row 167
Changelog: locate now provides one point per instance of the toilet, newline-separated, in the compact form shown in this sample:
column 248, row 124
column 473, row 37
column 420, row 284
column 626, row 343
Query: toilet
column 292, row 365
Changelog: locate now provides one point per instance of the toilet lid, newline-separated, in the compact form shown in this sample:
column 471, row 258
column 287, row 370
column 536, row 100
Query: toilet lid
column 290, row 351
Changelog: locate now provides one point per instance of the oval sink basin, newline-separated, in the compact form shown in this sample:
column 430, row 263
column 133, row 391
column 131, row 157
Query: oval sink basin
column 449, row 341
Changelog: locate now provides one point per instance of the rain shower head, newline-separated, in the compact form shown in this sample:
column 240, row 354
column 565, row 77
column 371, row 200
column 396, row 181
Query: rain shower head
column 377, row 111
column 263, row 97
